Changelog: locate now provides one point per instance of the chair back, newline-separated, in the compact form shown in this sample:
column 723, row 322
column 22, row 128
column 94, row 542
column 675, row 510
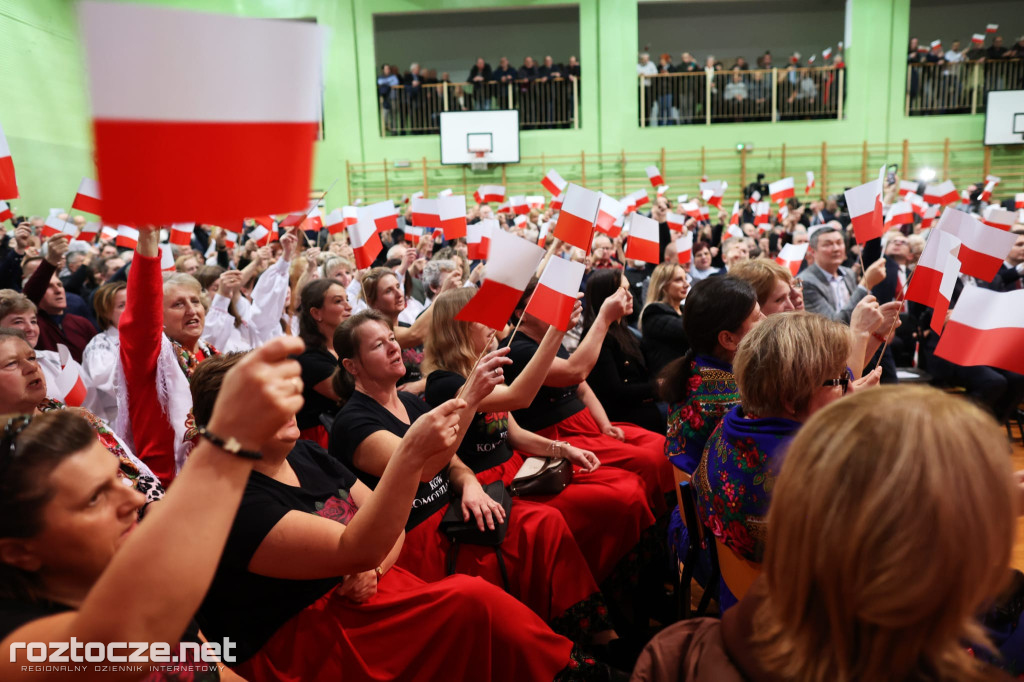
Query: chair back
column 738, row 573
column 681, row 477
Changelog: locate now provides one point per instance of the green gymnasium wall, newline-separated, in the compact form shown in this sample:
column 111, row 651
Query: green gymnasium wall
column 43, row 106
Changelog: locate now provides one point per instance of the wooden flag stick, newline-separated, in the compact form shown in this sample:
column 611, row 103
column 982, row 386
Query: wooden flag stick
column 475, row 364
column 895, row 320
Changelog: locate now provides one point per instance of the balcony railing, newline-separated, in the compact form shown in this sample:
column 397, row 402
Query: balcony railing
column 415, row 110
column 706, row 97
column 961, row 88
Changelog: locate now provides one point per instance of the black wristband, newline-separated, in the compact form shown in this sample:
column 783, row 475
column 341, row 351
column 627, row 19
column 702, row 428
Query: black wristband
column 230, row 445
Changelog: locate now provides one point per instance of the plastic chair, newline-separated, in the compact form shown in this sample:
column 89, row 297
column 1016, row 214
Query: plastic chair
column 737, row 573
column 698, row 535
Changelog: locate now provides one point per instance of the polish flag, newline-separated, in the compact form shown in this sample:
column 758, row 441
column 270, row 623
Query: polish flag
column 576, row 220
column 181, row 233
column 639, row 198
column 266, row 221
column 865, row 205
column 984, row 248
column 675, row 221
column 654, row 175
column 965, row 197
column 791, row 256
column 810, row 182
column 682, row 198
column 200, row 116
column 452, row 212
column 826, row 53
column 781, row 190
column 510, row 265
column 521, row 222
column 755, row 197
column 705, row 214
column 88, row 233
column 297, row 217
column 88, row 197
column 993, row 178
column 108, row 233
column 691, row 209
column 542, row 234
column 413, row 234
column 991, row 28
column 535, row 201
column 70, row 387
column 488, row 193
column 783, row 213
column 230, row 239
column 414, row 195
column 734, row 231
column 262, row 236
column 661, row 190
column 1018, row 200
column 608, row 211
column 385, row 215
column 127, row 237
column 935, row 276
column 55, row 225
column 986, row 194
column 335, row 221
column 642, row 243
column 424, row 212
column 900, row 213
column 8, row 183
column 555, row 295
column 684, row 248
column 519, row 204
column 978, row 39
column 712, row 192
column 5, row 212
column 556, row 202
column 166, row 258
column 917, row 204
column 734, row 218
column 929, row 216
column 936, row 43
column 999, row 217
column 364, row 240
column 351, row 215
column 943, row 193
column 445, row 193
column 617, row 226
column 554, row 183
column 986, row 328
column 907, row 186
column 762, row 213
column 478, row 238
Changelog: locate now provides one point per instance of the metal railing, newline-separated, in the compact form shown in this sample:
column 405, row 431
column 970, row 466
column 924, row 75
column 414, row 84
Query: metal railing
column 958, row 88
column 706, row 97
column 416, row 110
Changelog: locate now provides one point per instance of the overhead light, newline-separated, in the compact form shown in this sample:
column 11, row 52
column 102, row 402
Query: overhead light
column 926, row 174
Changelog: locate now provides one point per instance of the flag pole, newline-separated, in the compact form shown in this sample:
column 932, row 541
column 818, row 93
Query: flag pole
column 895, row 320
column 475, row 364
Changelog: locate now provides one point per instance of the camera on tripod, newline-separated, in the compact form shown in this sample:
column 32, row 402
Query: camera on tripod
column 759, row 186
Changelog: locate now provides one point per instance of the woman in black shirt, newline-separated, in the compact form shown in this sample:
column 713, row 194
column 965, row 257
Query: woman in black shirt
column 324, row 305
column 545, row 568
column 661, row 322
column 343, row 611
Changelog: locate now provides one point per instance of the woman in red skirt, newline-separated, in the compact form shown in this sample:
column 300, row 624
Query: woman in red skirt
column 605, row 508
column 544, row 566
column 565, row 408
column 343, row 610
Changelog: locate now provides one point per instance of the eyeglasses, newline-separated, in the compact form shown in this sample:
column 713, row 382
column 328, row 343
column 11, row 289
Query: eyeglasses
column 844, row 382
column 15, row 425
column 797, row 284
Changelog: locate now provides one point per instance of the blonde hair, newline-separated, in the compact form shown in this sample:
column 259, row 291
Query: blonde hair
column 449, row 346
column 661, row 276
column 762, row 275
column 12, row 302
column 370, row 281
column 891, row 526
column 784, row 360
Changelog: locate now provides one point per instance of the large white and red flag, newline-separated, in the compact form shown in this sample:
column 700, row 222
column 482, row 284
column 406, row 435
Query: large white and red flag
column 166, row 258
column 717, row 191
column 554, row 183
column 297, row 217
column 452, row 211
column 1018, row 200
column 385, row 215
column 900, row 213
column 478, row 238
column 127, row 237
column 520, row 206
column 935, row 276
column 983, row 248
column 865, row 205
column 810, row 182
column 907, row 186
column 8, row 181
column 351, row 214
column 335, row 221
column 181, row 233
column 70, row 388
column 55, row 225
column 89, row 232
column 424, row 212
column 762, row 213
column 734, row 217
column 556, row 202
column 413, row 234
column 691, row 209
column 263, row 235
column 487, row 193
column 521, row 222
column 986, row 328
column 5, row 211
column 734, row 232
column 364, row 240
column 996, row 216
column 986, row 193
column 510, row 265
column 642, row 243
column 535, row 201
column 553, row 299
column 654, row 175
column 608, row 211
column 929, row 216
column 780, row 190
column 943, row 193
column 638, row 198
column 917, row 204
column 224, row 122
column 88, row 197
column 684, row 248
column 675, row 221
column 108, row 233
column 791, row 256
column 576, row 219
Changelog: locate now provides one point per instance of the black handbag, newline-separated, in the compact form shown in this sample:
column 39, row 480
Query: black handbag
column 467, row 532
column 541, row 476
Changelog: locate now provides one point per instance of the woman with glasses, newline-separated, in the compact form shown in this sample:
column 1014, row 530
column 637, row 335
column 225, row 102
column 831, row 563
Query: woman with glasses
column 74, row 560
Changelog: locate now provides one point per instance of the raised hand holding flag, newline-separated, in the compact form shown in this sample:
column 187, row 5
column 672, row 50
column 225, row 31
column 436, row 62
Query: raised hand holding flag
column 576, row 219
column 510, row 265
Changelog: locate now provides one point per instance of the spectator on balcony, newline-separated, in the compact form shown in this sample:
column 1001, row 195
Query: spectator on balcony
column 736, row 94
column 996, row 50
column 934, row 60
column 551, row 92
column 766, row 60
column 690, row 90
column 954, row 58
column 386, row 82
column 759, row 93
column 802, row 98
column 741, row 64
column 413, row 82
column 645, row 68
column 502, row 76
column 479, row 77
column 525, row 77
column 663, row 88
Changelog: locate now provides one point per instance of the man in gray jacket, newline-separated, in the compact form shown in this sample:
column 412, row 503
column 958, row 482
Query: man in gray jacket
column 829, row 288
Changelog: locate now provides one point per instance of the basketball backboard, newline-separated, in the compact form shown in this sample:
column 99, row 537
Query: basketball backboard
column 479, row 137
column 1004, row 117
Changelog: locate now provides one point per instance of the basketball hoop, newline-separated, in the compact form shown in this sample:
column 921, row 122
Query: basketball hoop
column 479, row 162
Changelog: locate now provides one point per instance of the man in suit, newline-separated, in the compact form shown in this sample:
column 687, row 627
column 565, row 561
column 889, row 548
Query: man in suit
column 829, row 288
column 1009, row 277
column 900, row 351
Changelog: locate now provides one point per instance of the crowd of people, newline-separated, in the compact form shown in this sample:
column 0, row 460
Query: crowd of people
column 327, row 467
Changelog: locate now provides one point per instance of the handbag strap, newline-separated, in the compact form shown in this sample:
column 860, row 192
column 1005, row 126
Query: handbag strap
column 453, row 553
